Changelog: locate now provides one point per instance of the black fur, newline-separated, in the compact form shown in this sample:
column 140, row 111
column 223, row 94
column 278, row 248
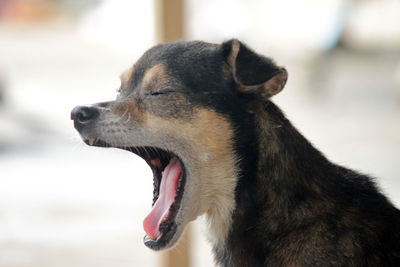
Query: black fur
column 299, row 209
column 303, row 210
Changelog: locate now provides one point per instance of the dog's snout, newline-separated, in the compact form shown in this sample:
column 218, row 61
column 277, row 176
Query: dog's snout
column 82, row 115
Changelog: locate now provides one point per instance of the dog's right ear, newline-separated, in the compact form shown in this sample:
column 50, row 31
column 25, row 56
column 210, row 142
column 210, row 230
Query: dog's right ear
column 253, row 73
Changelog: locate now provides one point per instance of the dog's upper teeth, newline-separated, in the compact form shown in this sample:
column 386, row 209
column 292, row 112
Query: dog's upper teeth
column 91, row 141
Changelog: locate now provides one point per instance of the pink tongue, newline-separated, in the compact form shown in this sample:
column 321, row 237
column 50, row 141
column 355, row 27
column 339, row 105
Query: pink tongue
column 166, row 197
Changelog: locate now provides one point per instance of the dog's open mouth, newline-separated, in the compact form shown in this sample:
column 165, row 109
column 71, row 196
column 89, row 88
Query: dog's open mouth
column 169, row 181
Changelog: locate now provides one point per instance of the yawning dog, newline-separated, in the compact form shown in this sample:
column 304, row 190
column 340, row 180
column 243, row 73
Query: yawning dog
column 200, row 115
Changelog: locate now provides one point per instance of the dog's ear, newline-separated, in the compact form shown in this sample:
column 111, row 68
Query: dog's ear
column 253, row 73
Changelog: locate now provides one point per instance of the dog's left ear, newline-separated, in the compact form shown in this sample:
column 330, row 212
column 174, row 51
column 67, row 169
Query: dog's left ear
column 253, row 73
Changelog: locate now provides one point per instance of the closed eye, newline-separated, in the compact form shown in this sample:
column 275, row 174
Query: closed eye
column 159, row 93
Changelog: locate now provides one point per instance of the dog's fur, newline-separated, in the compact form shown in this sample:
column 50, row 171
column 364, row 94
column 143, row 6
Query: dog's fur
column 270, row 198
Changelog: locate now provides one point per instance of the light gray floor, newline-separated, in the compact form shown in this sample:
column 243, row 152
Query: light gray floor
column 65, row 204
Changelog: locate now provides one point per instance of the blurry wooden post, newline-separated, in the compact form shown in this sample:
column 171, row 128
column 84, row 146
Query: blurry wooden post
column 169, row 27
column 179, row 256
column 169, row 20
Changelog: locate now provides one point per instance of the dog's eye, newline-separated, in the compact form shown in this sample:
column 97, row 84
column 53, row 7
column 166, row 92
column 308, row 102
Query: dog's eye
column 160, row 93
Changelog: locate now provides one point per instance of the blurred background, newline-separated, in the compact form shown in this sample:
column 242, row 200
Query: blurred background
column 65, row 204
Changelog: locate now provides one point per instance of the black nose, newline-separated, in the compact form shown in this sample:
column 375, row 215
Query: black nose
column 83, row 115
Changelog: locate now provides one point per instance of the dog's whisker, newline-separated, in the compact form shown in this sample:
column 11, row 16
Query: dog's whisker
column 154, row 151
column 123, row 115
column 147, row 152
column 129, row 118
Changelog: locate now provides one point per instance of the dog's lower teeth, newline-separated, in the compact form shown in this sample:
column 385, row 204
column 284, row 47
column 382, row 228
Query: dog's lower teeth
column 148, row 238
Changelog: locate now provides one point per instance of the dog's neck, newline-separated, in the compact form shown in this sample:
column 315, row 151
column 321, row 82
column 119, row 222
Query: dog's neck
column 268, row 195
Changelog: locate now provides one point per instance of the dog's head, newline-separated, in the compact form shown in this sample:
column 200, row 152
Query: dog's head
column 183, row 107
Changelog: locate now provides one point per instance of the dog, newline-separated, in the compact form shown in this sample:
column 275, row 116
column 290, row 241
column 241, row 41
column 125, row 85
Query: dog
column 200, row 115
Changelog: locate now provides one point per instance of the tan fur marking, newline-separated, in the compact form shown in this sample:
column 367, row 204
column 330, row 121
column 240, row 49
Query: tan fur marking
column 125, row 77
column 155, row 77
column 274, row 85
column 211, row 163
column 232, row 60
column 233, row 54
column 128, row 111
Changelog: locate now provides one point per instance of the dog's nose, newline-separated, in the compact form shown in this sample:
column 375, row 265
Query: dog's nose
column 82, row 115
